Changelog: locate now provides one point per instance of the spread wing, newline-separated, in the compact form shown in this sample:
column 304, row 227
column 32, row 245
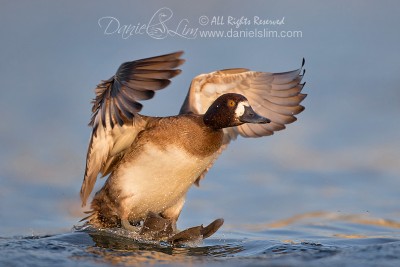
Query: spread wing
column 115, row 120
column 276, row 96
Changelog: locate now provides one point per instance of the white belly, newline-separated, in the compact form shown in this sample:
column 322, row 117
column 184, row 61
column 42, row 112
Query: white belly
column 157, row 179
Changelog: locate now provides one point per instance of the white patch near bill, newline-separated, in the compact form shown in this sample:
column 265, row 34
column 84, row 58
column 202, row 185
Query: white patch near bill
column 240, row 108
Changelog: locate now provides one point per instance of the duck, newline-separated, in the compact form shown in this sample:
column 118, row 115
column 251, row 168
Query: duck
column 152, row 162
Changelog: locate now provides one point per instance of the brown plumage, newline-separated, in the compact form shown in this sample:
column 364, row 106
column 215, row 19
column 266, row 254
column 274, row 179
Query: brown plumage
column 161, row 132
column 152, row 162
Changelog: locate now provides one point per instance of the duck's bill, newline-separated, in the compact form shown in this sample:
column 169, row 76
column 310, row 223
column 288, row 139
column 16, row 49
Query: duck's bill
column 250, row 116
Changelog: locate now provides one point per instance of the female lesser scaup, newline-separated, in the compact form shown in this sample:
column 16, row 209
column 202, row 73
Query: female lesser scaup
column 153, row 161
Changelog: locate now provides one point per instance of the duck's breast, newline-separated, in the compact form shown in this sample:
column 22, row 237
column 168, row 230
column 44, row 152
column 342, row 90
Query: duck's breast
column 156, row 179
column 162, row 164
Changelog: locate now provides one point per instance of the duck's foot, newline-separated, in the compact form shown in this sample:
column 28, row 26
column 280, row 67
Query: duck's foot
column 196, row 233
column 156, row 227
column 128, row 226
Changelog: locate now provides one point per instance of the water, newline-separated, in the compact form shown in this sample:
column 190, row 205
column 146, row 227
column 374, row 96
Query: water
column 313, row 239
column 323, row 192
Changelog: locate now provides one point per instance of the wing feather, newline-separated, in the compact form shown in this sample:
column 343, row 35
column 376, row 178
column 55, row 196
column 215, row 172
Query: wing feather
column 115, row 119
column 96, row 154
column 276, row 96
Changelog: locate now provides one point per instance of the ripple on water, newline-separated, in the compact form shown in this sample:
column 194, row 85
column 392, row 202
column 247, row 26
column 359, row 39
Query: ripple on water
column 311, row 242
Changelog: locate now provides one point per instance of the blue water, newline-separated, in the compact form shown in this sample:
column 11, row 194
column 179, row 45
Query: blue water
column 298, row 244
column 323, row 192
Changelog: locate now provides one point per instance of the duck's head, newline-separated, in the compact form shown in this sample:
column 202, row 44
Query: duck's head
column 230, row 110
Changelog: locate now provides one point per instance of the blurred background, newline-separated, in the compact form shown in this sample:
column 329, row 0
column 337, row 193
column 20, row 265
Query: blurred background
column 342, row 156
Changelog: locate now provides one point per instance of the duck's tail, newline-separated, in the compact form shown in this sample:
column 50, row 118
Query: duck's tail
column 90, row 216
column 102, row 214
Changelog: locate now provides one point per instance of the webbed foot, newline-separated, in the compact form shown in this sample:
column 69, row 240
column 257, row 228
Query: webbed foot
column 156, row 226
column 128, row 226
column 196, row 233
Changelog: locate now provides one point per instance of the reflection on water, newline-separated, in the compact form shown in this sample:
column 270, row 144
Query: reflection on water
column 344, row 145
column 311, row 239
column 305, row 237
column 328, row 216
column 114, row 248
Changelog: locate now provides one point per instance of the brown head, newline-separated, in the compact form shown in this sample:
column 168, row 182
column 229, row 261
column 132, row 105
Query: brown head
column 230, row 110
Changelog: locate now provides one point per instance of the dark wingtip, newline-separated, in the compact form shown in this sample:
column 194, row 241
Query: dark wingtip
column 177, row 72
column 180, row 61
column 303, row 62
column 179, row 53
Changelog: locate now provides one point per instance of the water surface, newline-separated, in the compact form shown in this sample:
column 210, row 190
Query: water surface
column 323, row 192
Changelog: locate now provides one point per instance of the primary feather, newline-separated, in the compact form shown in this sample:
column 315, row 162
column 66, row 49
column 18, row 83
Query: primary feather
column 115, row 118
column 116, row 122
column 276, row 96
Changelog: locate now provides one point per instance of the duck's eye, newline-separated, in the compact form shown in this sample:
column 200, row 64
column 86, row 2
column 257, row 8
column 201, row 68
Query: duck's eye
column 231, row 103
